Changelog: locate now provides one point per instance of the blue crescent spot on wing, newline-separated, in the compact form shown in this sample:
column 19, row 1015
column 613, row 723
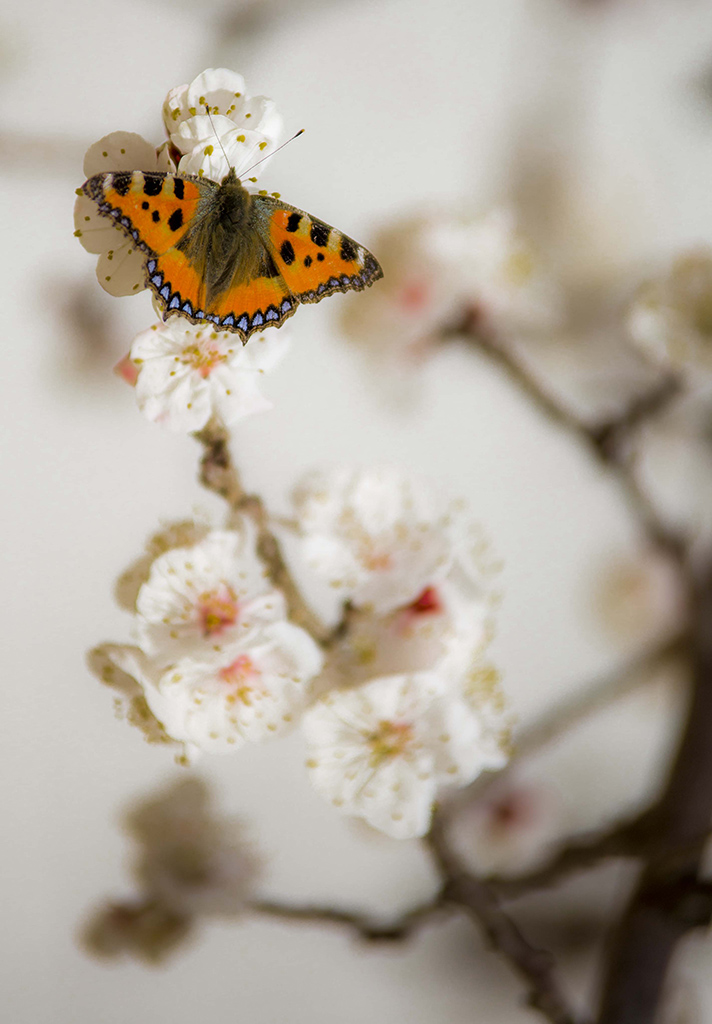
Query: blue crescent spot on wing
column 243, row 323
column 228, row 321
column 187, row 308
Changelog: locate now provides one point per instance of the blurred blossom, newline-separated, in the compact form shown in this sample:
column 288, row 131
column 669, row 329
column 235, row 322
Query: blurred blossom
column 189, row 864
column 671, row 319
column 373, row 535
column 145, row 930
column 641, row 597
column 443, row 274
column 674, row 464
column 381, row 751
column 240, row 131
column 188, row 859
column 508, row 830
column 186, row 374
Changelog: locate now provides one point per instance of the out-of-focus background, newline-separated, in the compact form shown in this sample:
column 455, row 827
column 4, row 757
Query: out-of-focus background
column 410, row 107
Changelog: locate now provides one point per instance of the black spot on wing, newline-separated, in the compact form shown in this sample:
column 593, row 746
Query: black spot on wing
column 178, row 188
column 175, row 220
column 121, row 181
column 294, row 221
column 348, row 251
column 287, row 252
column 152, row 185
column 307, row 261
column 156, row 216
column 144, row 205
column 320, row 256
column 319, row 233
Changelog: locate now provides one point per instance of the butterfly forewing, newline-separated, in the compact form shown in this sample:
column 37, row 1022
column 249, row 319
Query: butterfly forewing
column 314, row 258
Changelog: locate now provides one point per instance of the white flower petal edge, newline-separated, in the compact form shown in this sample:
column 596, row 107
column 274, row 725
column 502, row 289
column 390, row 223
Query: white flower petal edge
column 189, row 373
column 382, row 750
column 206, row 596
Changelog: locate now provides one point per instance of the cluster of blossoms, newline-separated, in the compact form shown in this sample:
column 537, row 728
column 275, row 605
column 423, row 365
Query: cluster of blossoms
column 189, row 864
column 186, row 373
column 401, row 701
column 446, row 273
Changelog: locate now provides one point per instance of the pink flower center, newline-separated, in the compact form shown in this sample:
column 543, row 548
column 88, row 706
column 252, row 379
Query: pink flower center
column 414, row 296
column 390, row 739
column 240, row 677
column 203, row 356
column 217, row 610
column 426, row 603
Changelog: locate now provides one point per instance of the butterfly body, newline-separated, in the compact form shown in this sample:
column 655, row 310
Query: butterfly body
column 216, row 252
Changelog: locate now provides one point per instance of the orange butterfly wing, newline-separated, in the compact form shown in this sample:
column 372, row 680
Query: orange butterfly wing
column 155, row 209
column 315, row 259
column 298, row 258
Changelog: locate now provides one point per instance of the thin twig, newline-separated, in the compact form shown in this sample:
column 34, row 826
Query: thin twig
column 606, row 441
column 480, row 902
column 625, row 839
column 365, row 926
column 590, row 699
column 218, row 474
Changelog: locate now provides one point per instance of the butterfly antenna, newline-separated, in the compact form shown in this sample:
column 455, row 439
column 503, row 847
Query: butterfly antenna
column 207, row 111
column 262, row 159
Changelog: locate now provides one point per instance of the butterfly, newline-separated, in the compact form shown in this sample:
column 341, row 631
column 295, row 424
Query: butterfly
column 216, row 252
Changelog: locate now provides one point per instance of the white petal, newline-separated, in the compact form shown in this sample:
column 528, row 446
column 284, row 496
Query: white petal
column 120, row 151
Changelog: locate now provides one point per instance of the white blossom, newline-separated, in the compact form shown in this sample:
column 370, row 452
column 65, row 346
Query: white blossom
column 246, row 128
column 444, row 273
column 187, row 373
column 205, row 596
column 510, row 829
column 252, row 690
column 382, row 750
column 671, row 319
column 120, row 267
column 373, row 535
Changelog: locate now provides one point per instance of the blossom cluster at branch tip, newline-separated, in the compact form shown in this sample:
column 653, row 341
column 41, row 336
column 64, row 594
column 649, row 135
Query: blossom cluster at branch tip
column 404, row 703
column 186, row 374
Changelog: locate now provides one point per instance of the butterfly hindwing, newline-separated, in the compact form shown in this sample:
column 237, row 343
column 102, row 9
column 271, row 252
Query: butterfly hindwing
column 314, row 258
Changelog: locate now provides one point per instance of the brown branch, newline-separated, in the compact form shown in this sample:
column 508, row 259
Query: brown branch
column 606, row 441
column 567, row 714
column 479, row 901
column 366, row 927
column 626, row 839
column 218, row 474
column 653, row 924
